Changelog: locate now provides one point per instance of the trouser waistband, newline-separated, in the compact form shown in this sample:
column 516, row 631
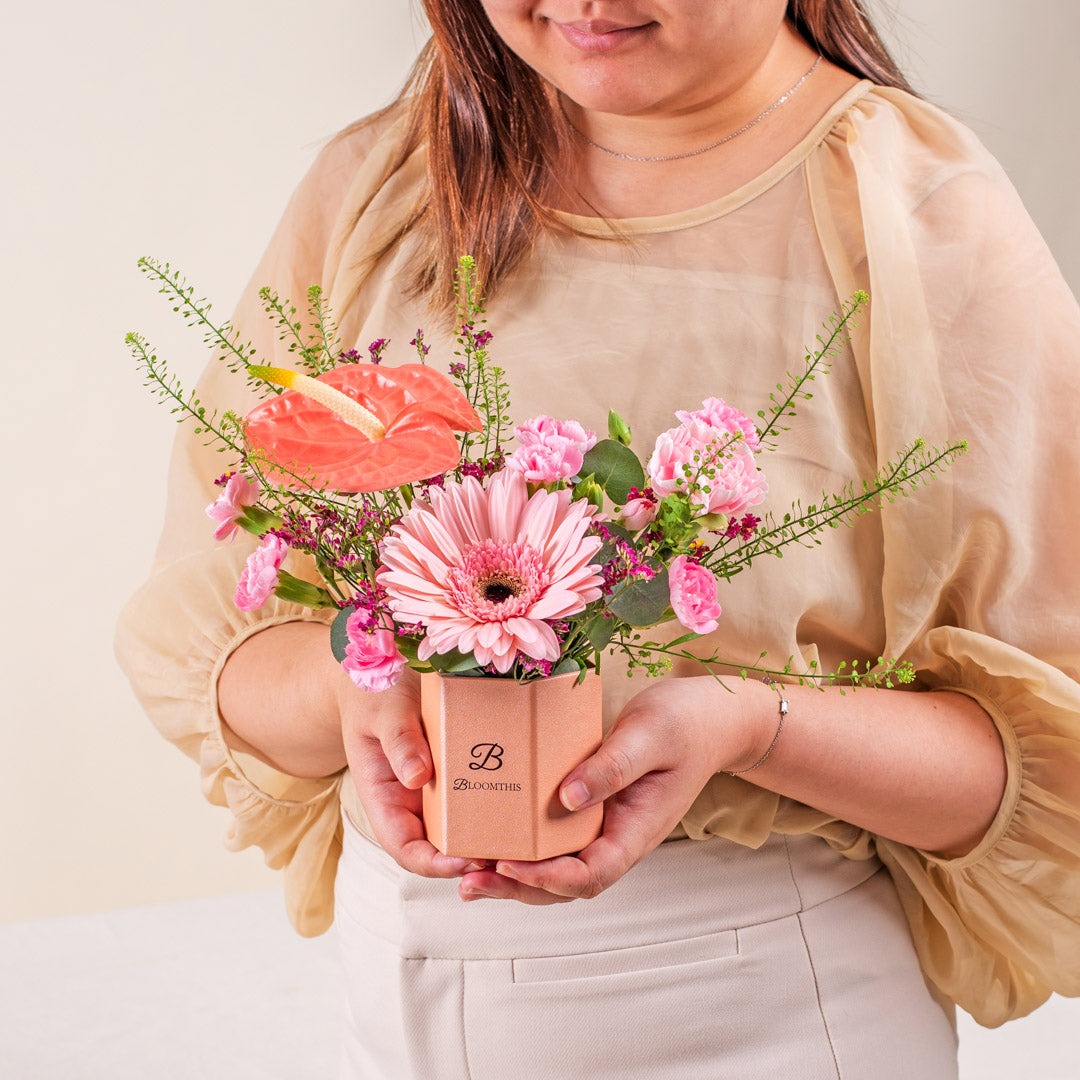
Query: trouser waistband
column 692, row 887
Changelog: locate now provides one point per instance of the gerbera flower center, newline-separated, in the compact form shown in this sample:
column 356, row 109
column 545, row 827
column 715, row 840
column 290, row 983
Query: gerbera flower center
column 500, row 586
column 497, row 580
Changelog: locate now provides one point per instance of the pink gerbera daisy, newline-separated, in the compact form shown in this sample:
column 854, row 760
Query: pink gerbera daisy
column 486, row 571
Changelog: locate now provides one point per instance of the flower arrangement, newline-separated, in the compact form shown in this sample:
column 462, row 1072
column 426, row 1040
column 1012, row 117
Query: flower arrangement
column 445, row 550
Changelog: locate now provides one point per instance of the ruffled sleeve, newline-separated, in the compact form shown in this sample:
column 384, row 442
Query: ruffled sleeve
column 176, row 633
column 173, row 640
column 974, row 335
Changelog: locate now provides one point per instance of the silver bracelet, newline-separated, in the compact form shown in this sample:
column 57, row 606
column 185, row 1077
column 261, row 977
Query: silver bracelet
column 775, row 738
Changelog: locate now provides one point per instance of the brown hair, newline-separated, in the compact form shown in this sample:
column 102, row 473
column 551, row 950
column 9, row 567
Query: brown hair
column 491, row 133
column 842, row 32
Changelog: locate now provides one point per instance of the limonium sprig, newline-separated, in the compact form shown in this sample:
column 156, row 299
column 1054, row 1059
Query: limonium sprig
column 445, row 551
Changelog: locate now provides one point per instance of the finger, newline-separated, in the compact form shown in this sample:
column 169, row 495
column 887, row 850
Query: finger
column 489, row 885
column 628, row 753
column 394, row 814
column 405, row 747
column 635, row 822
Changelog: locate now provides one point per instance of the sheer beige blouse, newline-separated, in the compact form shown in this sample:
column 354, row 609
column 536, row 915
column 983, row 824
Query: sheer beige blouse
column 971, row 334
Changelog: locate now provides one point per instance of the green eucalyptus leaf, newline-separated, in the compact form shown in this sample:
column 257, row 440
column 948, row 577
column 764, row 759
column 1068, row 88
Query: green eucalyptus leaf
column 338, row 637
column 615, row 468
column 453, row 662
column 565, row 666
column 599, row 631
column 409, row 648
column 642, row 603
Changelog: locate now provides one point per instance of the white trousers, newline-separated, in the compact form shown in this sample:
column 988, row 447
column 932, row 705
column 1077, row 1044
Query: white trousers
column 708, row 960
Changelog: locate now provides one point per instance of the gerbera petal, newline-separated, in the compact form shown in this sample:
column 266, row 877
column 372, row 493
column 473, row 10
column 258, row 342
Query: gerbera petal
column 538, row 519
column 505, row 661
column 557, row 604
column 545, row 646
column 508, row 495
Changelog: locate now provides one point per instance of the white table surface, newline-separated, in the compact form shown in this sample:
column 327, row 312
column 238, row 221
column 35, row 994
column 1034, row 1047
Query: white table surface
column 222, row 989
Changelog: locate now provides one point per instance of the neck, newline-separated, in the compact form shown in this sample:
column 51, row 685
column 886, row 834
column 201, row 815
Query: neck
column 617, row 187
column 677, row 128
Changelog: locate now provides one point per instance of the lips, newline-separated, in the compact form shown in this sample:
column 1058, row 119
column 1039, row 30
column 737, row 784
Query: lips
column 600, row 35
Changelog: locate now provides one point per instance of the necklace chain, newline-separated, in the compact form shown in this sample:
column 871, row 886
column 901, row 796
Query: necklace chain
column 786, row 96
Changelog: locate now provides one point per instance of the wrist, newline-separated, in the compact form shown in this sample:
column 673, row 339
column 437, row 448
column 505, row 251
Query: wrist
column 764, row 709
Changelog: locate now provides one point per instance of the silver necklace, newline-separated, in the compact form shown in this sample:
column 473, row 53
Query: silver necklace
column 786, row 96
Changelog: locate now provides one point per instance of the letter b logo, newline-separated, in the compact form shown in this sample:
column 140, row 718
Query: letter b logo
column 487, row 755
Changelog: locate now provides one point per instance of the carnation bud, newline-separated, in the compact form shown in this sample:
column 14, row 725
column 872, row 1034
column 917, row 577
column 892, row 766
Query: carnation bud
column 618, row 428
column 589, row 490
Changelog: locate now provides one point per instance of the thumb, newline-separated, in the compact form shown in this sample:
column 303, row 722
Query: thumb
column 624, row 757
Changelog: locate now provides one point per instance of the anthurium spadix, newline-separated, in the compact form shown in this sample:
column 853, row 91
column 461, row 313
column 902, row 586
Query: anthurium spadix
column 359, row 427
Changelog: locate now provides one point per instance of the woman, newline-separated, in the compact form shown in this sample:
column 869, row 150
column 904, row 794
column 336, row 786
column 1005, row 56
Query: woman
column 665, row 200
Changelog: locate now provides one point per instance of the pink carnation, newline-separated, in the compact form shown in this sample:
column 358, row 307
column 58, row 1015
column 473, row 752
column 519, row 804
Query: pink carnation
column 372, row 659
column 260, row 576
column 693, row 595
column 550, row 449
column 487, row 572
column 720, row 414
column 713, row 464
column 239, row 493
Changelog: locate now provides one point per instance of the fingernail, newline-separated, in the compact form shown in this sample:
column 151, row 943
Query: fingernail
column 474, row 866
column 412, row 770
column 506, row 870
column 575, row 795
column 476, row 894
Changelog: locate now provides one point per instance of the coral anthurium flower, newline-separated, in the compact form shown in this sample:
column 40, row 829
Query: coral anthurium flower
column 486, row 571
column 360, row 428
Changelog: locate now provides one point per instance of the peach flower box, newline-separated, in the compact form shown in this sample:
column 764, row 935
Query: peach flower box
column 501, row 749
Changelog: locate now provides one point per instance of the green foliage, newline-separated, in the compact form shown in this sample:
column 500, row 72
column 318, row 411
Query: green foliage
column 675, row 521
column 599, row 631
column 319, row 350
column 642, row 602
column 838, row 329
column 588, row 489
column 453, row 662
column 570, row 664
column 912, row 468
column 618, row 428
column 223, row 339
column 484, row 384
column 615, row 468
column 258, row 521
column 226, row 429
column 297, row 591
column 339, row 638
column 871, row 675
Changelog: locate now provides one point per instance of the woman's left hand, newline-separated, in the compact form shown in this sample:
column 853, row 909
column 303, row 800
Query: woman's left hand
column 666, row 744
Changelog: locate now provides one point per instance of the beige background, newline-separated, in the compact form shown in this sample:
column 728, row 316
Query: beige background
column 137, row 128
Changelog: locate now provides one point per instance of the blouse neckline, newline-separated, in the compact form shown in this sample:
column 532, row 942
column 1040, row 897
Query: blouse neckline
column 698, row 215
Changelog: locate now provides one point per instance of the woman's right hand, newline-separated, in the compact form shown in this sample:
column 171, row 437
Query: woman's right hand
column 286, row 700
column 390, row 762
